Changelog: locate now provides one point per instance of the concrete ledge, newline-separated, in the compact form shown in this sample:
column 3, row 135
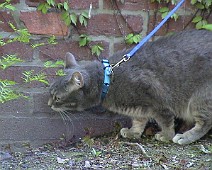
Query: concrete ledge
column 19, row 132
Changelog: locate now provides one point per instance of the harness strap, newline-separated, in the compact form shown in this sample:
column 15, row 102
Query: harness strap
column 107, row 74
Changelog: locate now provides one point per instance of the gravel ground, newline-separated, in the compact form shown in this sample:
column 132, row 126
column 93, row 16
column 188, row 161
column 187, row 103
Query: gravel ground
column 112, row 152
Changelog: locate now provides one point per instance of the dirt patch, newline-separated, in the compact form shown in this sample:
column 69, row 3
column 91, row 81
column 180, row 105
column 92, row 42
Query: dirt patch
column 113, row 152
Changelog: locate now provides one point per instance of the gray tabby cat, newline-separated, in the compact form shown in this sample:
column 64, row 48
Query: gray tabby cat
column 167, row 78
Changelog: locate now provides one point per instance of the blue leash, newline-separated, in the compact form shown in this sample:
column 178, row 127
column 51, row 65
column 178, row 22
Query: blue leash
column 137, row 47
column 108, row 68
column 129, row 55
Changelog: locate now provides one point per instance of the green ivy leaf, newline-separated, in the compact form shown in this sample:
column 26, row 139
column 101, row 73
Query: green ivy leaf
column 174, row 2
column 193, row 2
column 10, row 7
column 44, row 7
column 208, row 3
column 73, row 18
column 51, row 64
column 197, row 19
column 40, row 6
column 207, row 27
column 8, row 61
column 12, row 26
column 60, row 72
column 83, row 18
column 200, row 6
column 84, row 40
column 137, row 38
column 175, row 16
column 59, row 63
column 164, row 9
column 66, row 6
column 200, row 24
column 52, row 40
column 59, row 5
column 7, row 5
column 51, row 2
column 131, row 38
column 7, row 91
column 96, row 49
column 85, row 14
column 29, row 77
column 163, row 15
column 66, row 17
column 37, row 45
column 48, row 64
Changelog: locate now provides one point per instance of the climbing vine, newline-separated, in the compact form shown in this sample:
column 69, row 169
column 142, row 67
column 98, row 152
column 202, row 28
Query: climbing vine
column 200, row 19
column 71, row 18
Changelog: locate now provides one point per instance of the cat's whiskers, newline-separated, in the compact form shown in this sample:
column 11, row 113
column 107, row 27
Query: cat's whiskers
column 75, row 117
column 64, row 120
column 68, row 118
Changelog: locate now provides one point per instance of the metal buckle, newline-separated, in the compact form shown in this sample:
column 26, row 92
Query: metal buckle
column 124, row 59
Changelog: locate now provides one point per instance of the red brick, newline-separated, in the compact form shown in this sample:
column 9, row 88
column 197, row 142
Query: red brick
column 45, row 24
column 35, row 3
column 180, row 24
column 121, row 46
column 106, row 24
column 12, row 1
column 138, row 5
column 132, row 5
column 22, row 50
column 18, row 107
column 5, row 18
column 55, row 52
column 40, row 101
column 76, row 4
column 170, row 26
column 134, row 22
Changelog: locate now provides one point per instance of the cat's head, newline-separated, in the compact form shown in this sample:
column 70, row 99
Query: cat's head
column 75, row 90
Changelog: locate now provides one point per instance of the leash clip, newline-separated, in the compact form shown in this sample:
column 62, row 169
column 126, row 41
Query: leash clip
column 125, row 58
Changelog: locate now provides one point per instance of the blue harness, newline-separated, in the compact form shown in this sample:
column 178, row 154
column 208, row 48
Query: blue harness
column 107, row 72
column 108, row 69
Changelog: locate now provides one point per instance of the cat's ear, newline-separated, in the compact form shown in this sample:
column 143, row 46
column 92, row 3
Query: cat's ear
column 70, row 60
column 77, row 79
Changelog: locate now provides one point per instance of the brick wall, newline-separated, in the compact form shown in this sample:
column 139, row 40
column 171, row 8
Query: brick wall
column 30, row 120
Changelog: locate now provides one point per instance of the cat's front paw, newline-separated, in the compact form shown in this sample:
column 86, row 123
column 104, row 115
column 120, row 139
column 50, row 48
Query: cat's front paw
column 181, row 139
column 128, row 133
column 161, row 137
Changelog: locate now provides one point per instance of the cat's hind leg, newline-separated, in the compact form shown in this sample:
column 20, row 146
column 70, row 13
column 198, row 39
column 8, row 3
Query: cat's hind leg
column 202, row 113
column 138, row 126
column 202, row 126
column 199, row 130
